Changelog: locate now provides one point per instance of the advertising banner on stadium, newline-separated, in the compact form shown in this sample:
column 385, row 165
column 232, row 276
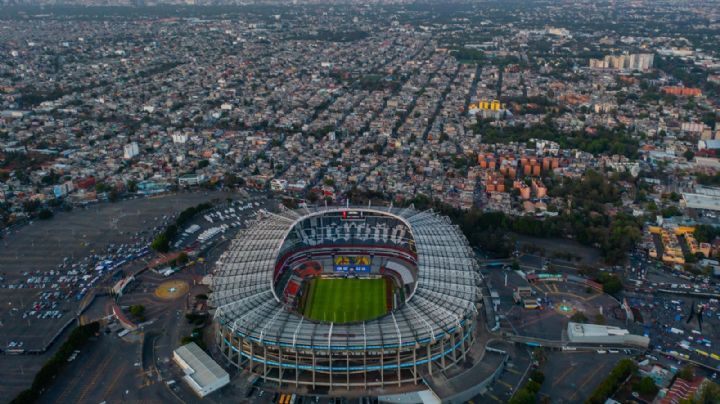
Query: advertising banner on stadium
column 344, row 263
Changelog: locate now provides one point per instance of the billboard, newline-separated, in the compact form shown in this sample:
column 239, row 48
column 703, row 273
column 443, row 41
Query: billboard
column 344, row 263
column 352, row 215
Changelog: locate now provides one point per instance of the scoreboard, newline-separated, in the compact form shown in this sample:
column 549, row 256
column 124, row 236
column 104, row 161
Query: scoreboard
column 352, row 215
column 359, row 263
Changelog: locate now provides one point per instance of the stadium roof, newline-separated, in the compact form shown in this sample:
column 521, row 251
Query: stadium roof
column 444, row 296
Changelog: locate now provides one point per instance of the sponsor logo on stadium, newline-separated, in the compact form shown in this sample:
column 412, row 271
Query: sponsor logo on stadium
column 360, row 263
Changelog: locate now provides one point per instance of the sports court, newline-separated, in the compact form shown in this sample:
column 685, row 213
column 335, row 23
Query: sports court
column 344, row 300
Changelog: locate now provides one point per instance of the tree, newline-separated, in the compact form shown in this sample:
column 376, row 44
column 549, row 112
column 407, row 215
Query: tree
column 522, row 396
column 182, row 258
column 113, row 195
column 579, row 317
column 537, row 376
column 312, row 197
column 705, row 233
column 611, row 283
column 710, row 393
column 232, row 180
column 533, row 386
column 646, row 387
column 607, row 387
column 138, row 311
column 78, row 337
column 132, row 186
column 599, row 319
column 161, row 243
column 45, row 214
column 686, row 373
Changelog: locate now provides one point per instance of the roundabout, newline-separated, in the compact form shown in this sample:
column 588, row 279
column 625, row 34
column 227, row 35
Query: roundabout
column 171, row 290
column 566, row 309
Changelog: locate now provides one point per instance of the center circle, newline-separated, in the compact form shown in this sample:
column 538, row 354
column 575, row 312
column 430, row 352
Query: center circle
column 346, row 267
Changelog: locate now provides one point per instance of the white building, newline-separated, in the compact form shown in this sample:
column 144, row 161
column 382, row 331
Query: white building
column 131, row 150
column 704, row 198
column 179, row 138
column 603, row 334
column 202, row 373
column 278, row 185
column 636, row 61
column 710, row 144
column 191, row 179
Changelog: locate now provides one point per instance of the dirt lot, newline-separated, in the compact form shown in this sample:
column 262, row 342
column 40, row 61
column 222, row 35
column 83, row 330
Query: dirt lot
column 557, row 248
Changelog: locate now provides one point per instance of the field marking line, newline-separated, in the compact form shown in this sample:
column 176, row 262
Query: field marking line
column 98, row 372
column 562, row 376
column 511, row 370
column 542, row 316
column 587, row 379
column 70, row 385
column 506, row 384
column 494, row 397
column 110, row 388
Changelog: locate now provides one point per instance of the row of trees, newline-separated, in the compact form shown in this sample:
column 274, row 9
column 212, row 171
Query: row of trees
column 604, row 140
column 705, row 233
column 196, row 336
column 612, row 382
column 162, row 241
column 528, row 394
column 708, row 179
column 587, row 223
column 77, row 339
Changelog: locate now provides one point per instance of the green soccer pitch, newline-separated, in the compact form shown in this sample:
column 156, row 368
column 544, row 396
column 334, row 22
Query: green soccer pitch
column 345, row 300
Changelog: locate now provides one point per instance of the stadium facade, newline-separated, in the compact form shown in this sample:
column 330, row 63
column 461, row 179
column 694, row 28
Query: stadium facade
column 258, row 292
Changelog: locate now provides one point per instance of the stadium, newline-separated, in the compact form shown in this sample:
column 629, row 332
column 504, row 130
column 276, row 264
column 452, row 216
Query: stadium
column 356, row 298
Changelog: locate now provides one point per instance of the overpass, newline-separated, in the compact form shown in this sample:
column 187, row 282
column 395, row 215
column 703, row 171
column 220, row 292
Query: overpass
column 565, row 344
column 689, row 293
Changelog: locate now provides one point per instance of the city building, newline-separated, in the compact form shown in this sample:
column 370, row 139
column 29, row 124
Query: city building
column 130, row 150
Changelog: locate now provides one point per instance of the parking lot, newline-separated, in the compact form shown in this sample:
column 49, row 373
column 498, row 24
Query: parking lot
column 570, row 377
column 33, row 259
column 220, row 223
column 108, row 369
column 49, row 266
column 510, row 378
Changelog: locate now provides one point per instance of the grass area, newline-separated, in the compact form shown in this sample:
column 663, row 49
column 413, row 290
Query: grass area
column 342, row 300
